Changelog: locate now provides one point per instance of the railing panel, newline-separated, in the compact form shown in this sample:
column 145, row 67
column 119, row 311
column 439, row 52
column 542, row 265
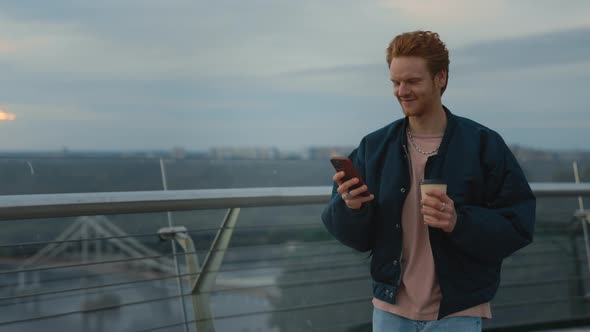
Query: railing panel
column 282, row 271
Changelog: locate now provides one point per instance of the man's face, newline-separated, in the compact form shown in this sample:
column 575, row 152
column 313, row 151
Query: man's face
column 416, row 90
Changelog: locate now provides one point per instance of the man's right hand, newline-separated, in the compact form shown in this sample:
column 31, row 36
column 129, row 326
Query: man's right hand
column 356, row 201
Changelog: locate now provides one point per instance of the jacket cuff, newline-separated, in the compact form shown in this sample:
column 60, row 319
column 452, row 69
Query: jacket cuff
column 460, row 229
column 363, row 210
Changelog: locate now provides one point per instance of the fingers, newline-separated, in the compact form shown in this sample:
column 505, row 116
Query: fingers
column 338, row 177
column 437, row 203
column 357, row 202
column 441, row 196
column 354, row 200
column 436, row 214
column 354, row 194
column 358, row 191
column 345, row 187
column 442, row 224
column 360, row 199
column 435, row 193
column 439, row 211
column 432, row 203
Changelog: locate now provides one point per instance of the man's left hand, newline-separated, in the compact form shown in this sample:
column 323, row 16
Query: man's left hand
column 441, row 210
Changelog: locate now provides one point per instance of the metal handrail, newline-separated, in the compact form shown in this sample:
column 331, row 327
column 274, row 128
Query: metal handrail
column 78, row 204
column 18, row 207
column 22, row 207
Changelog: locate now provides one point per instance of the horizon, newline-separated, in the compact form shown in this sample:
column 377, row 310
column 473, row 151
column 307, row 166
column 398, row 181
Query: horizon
column 304, row 149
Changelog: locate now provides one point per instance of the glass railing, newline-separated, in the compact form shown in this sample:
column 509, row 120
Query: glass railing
column 236, row 260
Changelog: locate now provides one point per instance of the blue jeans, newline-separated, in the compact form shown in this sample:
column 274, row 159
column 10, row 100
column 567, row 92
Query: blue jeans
column 388, row 322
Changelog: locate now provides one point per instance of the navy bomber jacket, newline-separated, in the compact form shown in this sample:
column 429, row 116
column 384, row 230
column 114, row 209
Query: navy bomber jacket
column 494, row 203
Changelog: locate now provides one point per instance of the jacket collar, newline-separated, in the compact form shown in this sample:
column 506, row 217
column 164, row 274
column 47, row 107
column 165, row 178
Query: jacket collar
column 451, row 123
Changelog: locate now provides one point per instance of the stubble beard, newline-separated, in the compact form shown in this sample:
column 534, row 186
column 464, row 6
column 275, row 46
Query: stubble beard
column 419, row 107
column 416, row 109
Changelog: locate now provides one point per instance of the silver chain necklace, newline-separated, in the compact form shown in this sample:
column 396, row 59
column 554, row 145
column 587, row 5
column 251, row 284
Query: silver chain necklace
column 416, row 146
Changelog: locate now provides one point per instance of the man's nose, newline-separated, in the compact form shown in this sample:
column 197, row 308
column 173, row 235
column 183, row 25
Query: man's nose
column 402, row 89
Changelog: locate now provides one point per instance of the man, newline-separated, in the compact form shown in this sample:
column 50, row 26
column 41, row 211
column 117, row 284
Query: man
column 435, row 261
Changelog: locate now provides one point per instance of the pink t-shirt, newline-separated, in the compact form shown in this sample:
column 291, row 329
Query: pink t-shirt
column 419, row 295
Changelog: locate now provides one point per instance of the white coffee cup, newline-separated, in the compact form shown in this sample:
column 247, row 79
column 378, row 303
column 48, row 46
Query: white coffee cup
column 428, row 185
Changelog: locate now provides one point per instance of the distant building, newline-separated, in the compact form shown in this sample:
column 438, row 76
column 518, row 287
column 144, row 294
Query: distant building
column 291, row 155
column 178, row 153
column 323, row 153
column 527, row 154
column 265, row 153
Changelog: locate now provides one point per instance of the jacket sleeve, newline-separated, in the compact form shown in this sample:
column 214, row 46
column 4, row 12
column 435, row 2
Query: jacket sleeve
column 351, row 227
column 506, row 221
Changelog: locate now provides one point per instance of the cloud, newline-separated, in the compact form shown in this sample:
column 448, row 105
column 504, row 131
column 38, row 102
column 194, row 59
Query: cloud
column 462, row 22
column 185, row 38
column 23, row 40
column 547, row 49
column 8, row 46
column 517, row 66
column 75, row 50
column 352, row 80
column 449, row 12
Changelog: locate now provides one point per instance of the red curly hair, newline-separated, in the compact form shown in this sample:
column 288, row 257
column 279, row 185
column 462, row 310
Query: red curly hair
column 423, row 44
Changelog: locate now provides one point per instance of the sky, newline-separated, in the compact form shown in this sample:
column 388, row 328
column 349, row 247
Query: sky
column 147, row 74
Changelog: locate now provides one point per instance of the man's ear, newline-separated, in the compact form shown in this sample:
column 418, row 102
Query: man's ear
column 441, row 78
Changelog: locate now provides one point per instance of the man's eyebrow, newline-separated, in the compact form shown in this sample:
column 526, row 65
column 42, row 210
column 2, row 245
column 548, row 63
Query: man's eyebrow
column 412, row 78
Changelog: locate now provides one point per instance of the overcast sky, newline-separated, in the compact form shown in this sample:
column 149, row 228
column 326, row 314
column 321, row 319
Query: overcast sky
column 147, row 74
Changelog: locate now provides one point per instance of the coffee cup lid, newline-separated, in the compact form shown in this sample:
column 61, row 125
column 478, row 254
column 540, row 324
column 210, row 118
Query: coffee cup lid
column 432, row 181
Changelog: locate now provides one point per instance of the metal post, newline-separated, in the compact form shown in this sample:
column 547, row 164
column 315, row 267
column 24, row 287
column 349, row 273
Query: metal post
column 584, row 218
column 201, row 307
column 176, row 267
column 204, row 280
column 201, row 304
column 83, row 230
column 576, row 287
column 84, row 240
column 21, row 281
